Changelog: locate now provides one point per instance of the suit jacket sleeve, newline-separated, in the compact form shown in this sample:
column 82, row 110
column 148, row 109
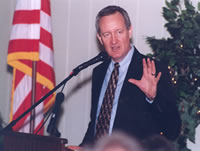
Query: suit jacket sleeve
column 164, row 106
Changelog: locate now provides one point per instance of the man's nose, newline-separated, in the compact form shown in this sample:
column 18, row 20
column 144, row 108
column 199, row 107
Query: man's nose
column 114, row 39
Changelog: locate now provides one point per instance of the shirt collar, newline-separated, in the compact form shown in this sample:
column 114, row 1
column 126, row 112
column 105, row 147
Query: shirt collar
column 126, row 61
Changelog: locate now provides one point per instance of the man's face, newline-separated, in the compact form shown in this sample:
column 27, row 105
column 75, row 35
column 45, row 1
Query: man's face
column 114, row 36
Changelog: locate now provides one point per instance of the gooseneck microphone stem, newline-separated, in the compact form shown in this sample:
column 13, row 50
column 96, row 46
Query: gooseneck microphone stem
column 101, row 57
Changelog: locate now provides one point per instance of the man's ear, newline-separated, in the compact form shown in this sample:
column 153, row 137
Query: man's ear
column 100, row 39
column 130, row 31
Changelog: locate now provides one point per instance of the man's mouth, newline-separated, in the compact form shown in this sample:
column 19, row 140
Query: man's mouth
column 114, row 48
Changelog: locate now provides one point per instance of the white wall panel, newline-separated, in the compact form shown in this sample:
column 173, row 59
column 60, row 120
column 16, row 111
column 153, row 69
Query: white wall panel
column 6, row 13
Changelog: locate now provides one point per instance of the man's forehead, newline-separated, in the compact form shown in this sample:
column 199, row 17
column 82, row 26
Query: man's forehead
column 112, row 20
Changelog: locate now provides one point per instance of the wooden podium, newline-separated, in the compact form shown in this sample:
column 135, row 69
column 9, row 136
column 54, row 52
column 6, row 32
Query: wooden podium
column 15, row 141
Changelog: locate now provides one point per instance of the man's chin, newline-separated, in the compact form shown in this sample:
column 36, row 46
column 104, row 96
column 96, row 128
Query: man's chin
column 116, row 58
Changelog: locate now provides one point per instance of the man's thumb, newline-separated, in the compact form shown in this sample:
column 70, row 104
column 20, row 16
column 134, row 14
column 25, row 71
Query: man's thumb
column 133, row 81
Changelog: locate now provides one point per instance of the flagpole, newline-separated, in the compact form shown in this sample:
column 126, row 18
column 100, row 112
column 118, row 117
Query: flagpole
column 33, row 98
column 25, row 48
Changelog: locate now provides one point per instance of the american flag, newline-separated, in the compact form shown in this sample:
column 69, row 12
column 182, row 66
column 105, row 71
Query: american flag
column 31, row 40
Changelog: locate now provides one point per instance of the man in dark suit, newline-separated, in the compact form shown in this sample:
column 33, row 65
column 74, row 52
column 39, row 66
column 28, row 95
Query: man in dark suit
column 144, row 101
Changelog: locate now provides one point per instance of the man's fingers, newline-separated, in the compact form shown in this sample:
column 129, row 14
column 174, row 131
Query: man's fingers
column 144, row 65
column 149, row 66
column 73, row 148
column 153, row 67
column 158, row 77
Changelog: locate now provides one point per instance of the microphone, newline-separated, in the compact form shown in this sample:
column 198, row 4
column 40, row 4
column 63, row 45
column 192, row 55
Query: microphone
column 52, row 124
column 102, row 56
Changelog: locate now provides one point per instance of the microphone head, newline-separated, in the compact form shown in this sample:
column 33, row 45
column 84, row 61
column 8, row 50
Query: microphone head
column 103, row 56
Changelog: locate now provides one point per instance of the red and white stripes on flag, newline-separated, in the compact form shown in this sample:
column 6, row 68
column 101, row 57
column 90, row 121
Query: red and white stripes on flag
column 31, row 40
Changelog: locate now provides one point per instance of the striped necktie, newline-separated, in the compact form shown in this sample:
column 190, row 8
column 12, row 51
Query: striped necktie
column 103, row 121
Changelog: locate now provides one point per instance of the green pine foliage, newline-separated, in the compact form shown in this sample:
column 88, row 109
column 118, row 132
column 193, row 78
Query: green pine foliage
column 181, row 50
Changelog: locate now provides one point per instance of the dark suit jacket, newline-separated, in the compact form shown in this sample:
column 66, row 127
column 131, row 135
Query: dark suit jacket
column 134, row 114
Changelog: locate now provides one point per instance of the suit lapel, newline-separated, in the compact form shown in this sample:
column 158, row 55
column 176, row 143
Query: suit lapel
column 97, row 84
column 135, row 71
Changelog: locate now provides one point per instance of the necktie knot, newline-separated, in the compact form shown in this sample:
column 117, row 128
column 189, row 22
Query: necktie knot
column 116, row 65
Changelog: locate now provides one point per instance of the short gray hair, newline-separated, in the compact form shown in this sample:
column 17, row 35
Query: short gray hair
column 111, row 10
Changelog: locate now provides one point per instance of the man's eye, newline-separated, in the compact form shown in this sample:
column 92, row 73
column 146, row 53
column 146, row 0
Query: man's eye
column 106, row 35
column 120, row 31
